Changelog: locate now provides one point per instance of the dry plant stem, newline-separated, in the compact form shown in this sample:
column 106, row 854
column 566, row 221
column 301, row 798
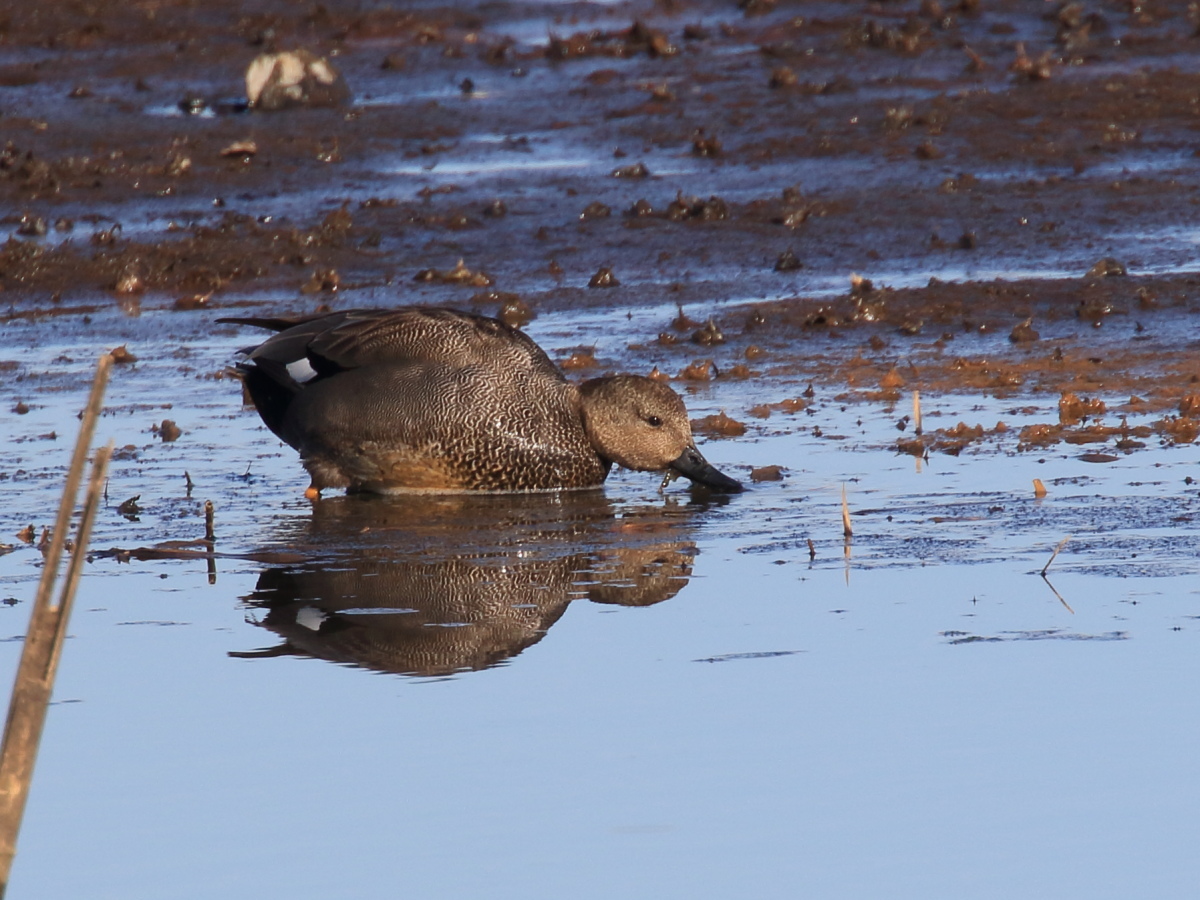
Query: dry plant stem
column 917, row 429
column 210, row 538
column 74, row 475
column 47, row 629
column 1061, row 544
column 91, row 502
column 847, row 530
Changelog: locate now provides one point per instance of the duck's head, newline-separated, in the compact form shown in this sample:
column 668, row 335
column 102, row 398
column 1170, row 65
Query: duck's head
column 642, row 424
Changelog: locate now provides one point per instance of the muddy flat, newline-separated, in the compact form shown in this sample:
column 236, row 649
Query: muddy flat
column 918, row 255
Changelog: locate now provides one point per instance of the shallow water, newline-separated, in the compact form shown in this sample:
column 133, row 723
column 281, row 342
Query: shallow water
column 612, row 692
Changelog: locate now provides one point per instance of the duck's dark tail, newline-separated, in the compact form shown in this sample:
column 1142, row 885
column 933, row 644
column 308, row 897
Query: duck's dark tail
column 272, row 390
column 267, row 382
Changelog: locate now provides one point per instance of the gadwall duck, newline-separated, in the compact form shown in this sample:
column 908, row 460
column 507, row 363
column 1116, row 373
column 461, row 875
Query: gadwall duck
column 422, row 398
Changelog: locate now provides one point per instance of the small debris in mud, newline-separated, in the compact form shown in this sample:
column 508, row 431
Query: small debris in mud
column 178, row 163
column 1107, row 268
column 27, row 534
column 1031, row 69
column 700, row 370
column 21, row 408
column 1024, row 332
column 32, row 226
column 719, row 425
column 130, row 282
column 496, row 209
column 326, row 280
column 683, row 208
column 860, row 286
column 516, row 313
column 460, row 274
column 640, row 209
column 783, row 77
column 709, row 335
column 1072, row 409
column 928, row 150
column 662, row 93
column 194, row 301
column 582, row 358
column 1039, row 488
column 792, row 405
column 1178, row 430
column 276, row 81
column 130, row 509
column 243, row 150
column 604, row 278
column 167, row 431
column 767, row 473
column 636, row 170
column 596, row 210
column 705, row 144
column 787, row 262
column 1095, row 310
column 122, row 356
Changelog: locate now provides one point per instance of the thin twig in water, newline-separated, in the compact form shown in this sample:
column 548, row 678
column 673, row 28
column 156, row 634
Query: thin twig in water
column 1061, row 544
column 917, row 429
column 210, row 539
column 847, row 530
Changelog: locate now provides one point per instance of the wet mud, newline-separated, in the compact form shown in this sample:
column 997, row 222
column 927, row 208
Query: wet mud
column 1014, row 172
column 797, row 213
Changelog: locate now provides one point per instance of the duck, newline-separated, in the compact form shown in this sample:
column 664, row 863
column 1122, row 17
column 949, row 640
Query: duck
column 418, row 398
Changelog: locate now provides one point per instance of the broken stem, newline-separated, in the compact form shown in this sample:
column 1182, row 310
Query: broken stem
column 1061, row 544
column 847, row 530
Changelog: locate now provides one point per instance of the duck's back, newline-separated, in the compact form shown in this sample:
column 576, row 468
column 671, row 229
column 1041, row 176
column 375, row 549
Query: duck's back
column 410, row 334
column 422, row 398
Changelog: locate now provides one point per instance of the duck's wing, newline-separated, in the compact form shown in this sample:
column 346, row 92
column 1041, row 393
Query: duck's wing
column 351, row 339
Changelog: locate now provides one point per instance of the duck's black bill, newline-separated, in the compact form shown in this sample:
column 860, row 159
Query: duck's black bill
column 694, row 466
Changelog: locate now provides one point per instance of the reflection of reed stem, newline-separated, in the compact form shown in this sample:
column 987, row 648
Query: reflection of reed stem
column 47, row 629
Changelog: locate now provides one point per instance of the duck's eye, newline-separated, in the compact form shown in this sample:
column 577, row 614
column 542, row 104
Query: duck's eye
column 654, row 421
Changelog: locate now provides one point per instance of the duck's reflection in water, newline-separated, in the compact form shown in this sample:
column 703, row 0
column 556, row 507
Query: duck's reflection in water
column 435, row 585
